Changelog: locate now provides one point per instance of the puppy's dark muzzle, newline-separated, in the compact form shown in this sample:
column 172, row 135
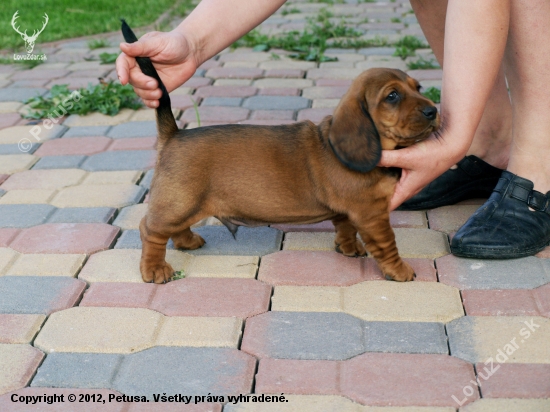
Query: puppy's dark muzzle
column 430, row 112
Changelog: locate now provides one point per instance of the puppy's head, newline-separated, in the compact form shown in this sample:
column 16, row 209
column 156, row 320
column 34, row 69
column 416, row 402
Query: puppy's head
column 383, row 109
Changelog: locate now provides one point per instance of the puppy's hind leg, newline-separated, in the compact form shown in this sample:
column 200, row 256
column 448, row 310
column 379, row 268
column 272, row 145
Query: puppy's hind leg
column 153, row 265
column 186, row 239
column 346, row 238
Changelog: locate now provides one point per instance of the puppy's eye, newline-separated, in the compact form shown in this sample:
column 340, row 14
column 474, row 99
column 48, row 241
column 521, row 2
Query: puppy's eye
column 393, row 97
column 418, row 88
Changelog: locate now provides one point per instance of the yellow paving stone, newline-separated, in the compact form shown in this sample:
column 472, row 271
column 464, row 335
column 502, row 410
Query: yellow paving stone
column 325, row 103
column 20, row 328
column 130, row 216
column 13, row 134
column 309, row 241
column 122, row 265
column 403, row 301
column 47, row 265
column 27, row 196
column 233, row 82
column 308, row 299
column 421, row 243
column 14, row 163
column 302, row 403
column 99, row 330
column 223, row 267
column 240, row 64
column 293, row 83
column 87, row 65
column 209, row 221
column 508, row 405
column 340, row 73
column 112, row 178
column 17, row 366
column 45, row 179
column 7, row 259
column 97, row 196
column 287, row 63
column 179, row 92
column 200, row 332
column 148, row 115
column 9, row 107
column 98, row 119
column 391, row 64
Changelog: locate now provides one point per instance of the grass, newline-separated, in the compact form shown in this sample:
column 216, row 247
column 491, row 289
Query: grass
column 423, row 64
column 107, row 98
column 406, row 46
column 433, row 93
column 69, row 19
column 98, row 44
column 108, row 58
column 293, row 10
column 178, row 275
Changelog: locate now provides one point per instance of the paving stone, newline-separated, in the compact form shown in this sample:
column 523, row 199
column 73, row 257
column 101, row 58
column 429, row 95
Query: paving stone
column 134, row 143
column 200, row 332
column 421, row 243
column 33, row 134
column 20, row 94
column 19, row 328
column 46, row 179
column 60, row 162
column 7, row 258
column 221, row 114
column 7, row 235
column 250, row 57
column 315, row 115
column 333, row 82
column 325, row 103
column 222, row 101
column 121, row 295
column 222, row 267
column 525, row 273
column 65, row 238
column 33, row 196
column 121, row 160
column 339, row 73
column 10, row 107
column 17, row 366
column 424, row 380
column 133, row 129
column 98, row 119
column 16, row 163
column 515, row 380
column 309, row 241
column 542, row 296
column 86, row 131
column 130, row 216
column 114, row 195
column 284, row 73
column 388, row 63
column 233, row 82
column 508, row 405
column 127, row 177
column 189, row 371
column 403, row 219
column 83, row 146
column 38, row 294
column 146, row 181
column 279, row 91
column 122, row 265
column 149, row 115
column 82, row 215
column 272, row 115
column 194, row 82
column 225, row 91
column 47, row 265
column 24, row 215
column 302, row 403
column 317, row 92
column 234, row 73
column 276, row 103
column 515, row 302
column 40, row 74
column 450, row 218
column 3, row 178
column 249, row 242
column 511, row 339
column 285, row 83
column 30, row 148
column 325, row 226
column 212, row 297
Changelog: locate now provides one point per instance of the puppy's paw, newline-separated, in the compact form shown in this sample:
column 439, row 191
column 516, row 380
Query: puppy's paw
column 159, row 273
column 402, row 273
column 188, row 242
column 352, row 249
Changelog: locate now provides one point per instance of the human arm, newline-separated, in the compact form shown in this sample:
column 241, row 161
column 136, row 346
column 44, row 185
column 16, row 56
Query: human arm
column 212, row 26
column 475, row 38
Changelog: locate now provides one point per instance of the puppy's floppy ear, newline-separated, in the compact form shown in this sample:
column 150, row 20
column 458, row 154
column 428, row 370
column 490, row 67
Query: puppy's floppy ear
column 353, row 135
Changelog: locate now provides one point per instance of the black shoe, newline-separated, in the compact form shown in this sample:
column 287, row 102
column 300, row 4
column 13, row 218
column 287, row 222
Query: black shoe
column 504, row 227
column 473, row 178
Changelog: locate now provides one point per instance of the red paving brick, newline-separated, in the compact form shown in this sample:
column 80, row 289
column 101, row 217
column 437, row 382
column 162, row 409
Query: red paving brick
column 197, row 82
column 124, row 295
column 220, row 114
column 24, row 362
column 285, row 73
column 183, row 101
column 65, row 238
column 16, row 328
column 396, row 379
column 303, row 377
column 315, row 115
column 9, row 119
column 74, row 146
column 234, row 73
column 510, row 302
column 272, row 115
column 279, row 91
column 515, row 380
column 39, row 74
column 329, row 92
column 134, row 143
column 542, row 296
column 226, row 91
column 241, row 298
column 210, row 64
column 3, row 177
column 7, row 235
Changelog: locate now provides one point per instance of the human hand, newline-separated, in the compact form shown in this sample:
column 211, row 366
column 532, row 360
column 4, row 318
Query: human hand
column 421, row 163
column 172, row 56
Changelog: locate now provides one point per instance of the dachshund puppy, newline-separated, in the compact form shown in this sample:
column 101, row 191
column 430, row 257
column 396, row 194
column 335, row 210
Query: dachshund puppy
column 300, row 173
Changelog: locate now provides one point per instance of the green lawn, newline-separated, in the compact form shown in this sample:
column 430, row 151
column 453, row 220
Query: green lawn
column 74, row 18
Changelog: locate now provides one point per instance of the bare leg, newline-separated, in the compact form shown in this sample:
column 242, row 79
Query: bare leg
column 346, row 238
column 527, row 61
column 493, row 135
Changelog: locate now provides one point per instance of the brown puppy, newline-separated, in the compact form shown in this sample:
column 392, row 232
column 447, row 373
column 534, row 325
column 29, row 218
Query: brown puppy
column 299, row 173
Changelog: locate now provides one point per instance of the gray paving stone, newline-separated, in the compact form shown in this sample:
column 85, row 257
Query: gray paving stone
column 250, row 241
column 276, row 103
column 133, row 129
column 24, row 215
column 222, row 101
column 461, row 344
column 525, row 273
column 120, row 160
column 146, row 180
column 60, row 162
column 2, row 192
column 38, row 294
column 377, row 51
column 6, row 149
column 87, row 131
column 82, row 215
column 199, row 73
column 20, row 94
column 77, row 370
column 186, row 371
column 405, row 337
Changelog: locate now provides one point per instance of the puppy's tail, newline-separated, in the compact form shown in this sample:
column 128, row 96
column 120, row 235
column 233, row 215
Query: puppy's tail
column 166, row 124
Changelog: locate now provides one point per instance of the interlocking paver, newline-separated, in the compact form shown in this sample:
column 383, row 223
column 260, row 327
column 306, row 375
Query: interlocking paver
column 35, row 133
column 99, row 195
column 222, row 267
column 38, row 294
column 7, row 235
column 284, row 83
column 121, row 295
column 65, row 238
column 44, row 179
column 511, row 302
column 19, row 328
column 134, row 143
column 59, row 162
column 222, row 101
column 524, row 273
column 24, row 215
column 515, row 380
column 276, row 103
column 279, row 91
column 147, row 178
column 200, row 332
column 18, row 363
column 542, row 296
column 234, row 73
column 82, row 215
column 508, row 405
column 28, row 148
column 133, row 129
column 20, row 93
column 511, row 339
column 47, row 265
column 226, row 91
column 120, row 160
column 98, row 119
column 450, row 218
column 130, row 216
column 14, row 163
column 31, row 196
column 7, row 258
column 87, row 131
column 221, row 114
column 83, row 146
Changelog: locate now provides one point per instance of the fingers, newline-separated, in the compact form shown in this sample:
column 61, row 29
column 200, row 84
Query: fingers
column 145, row 87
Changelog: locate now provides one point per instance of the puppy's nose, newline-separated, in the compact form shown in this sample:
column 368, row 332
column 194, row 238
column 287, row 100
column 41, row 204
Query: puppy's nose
column 430, row 112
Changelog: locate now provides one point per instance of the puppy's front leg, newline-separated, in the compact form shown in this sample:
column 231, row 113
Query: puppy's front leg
column 346, row 241
column 153, row 265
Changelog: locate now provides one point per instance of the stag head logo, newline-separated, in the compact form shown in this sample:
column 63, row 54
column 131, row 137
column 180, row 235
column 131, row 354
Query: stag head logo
column 29, row 40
